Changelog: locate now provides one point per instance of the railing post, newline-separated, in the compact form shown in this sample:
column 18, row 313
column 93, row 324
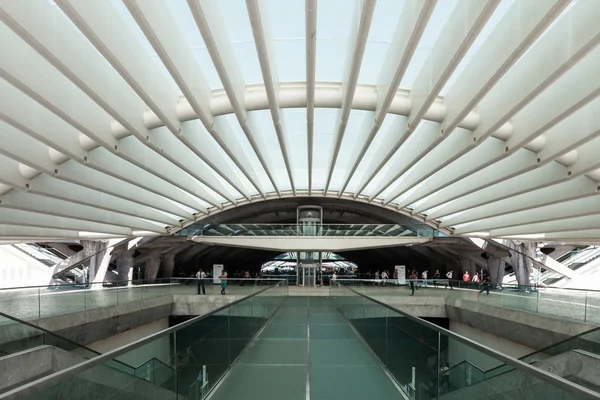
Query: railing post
column 39, row 304
column 439, row 367
column 585, row 307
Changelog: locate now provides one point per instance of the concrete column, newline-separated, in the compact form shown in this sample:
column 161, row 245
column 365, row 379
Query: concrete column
column 496, row 270
column 466, row 264
column 125, row 267
column 520, row 263
column 151, row 269
column 168, row 265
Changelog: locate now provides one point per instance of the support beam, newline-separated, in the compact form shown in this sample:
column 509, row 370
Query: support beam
column 319, row 243
column 90, row 76
column 575, row 208
column 562, row 225
column 356, row 49
column 155, row 21
column 576, row 110
column 212, row 29
column 24, row 218
column 311, row 51
column 262, row 40
column 50, row 187
column 17, row 200
column 495, row 43
column 578, row 188
column 412, row 23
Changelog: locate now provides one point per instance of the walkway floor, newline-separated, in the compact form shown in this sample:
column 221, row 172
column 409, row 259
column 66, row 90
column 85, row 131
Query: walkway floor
column 307, row 343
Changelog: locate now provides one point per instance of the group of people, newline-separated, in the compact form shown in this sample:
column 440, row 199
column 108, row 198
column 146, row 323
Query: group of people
column 415, row 279
column 202, row 277
column 483, row 282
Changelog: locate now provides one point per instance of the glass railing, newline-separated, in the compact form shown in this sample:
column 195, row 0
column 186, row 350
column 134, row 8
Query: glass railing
column 588, row 341
column 420, row 356
column 22, row 336
column 35, row 302
column 200, row 350
column 573, row 304
column 389, row 230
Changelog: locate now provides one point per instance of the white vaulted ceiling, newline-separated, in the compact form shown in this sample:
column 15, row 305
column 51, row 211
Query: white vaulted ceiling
column 135, row 117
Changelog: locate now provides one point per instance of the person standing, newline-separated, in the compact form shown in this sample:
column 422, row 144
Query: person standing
column 449, row 275
column 466, row 277
column 486, row 285
column 384, row 277
column 436, row 275
column 424, row 276
column 223, row 279
column 395, row 276
column 412, row 278
column 377, row 277
column 200, row 275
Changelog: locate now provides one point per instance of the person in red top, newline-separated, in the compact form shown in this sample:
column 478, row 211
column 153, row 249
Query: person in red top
column 466, row 276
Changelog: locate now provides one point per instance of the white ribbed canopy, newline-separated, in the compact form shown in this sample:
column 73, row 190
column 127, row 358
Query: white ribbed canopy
column 136, row 117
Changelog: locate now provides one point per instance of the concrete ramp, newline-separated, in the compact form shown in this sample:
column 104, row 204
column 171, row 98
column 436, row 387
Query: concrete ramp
column 576, row 365
column 100, row 382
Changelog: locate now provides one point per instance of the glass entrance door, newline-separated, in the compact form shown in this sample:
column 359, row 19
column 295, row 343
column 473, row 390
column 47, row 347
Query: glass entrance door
column 308, row 274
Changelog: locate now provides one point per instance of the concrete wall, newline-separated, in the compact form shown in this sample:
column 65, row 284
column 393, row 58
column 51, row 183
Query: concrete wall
column 160, row 348
column 459, row 351
column 32, row 364
column 533, row 330
column 576, row 366
column 426, row 307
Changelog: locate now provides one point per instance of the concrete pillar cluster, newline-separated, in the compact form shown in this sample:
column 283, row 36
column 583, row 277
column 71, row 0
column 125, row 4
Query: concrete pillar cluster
column 151, row 269
column 167, row 266
column 521, row 260
column 125, row 266
column 495, row 269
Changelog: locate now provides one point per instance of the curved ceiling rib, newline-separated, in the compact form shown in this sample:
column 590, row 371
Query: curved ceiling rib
column 131, row 117
column 359, row 32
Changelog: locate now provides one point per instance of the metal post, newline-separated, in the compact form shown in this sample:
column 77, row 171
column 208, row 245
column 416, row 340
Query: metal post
column 585, row 307
column 439, row 368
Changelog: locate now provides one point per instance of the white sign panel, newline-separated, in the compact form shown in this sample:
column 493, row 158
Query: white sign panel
column 401, row 273
column 217, row 271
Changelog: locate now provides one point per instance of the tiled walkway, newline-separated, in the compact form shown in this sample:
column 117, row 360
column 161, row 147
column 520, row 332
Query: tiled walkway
column 307, row 343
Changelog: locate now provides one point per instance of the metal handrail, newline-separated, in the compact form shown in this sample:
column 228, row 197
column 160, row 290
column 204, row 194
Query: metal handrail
column 517, row 364
column 49, row 380
column 157, row 281
column 504, row 285
column 117, row 284
column 46, row 331
column 53, row 334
